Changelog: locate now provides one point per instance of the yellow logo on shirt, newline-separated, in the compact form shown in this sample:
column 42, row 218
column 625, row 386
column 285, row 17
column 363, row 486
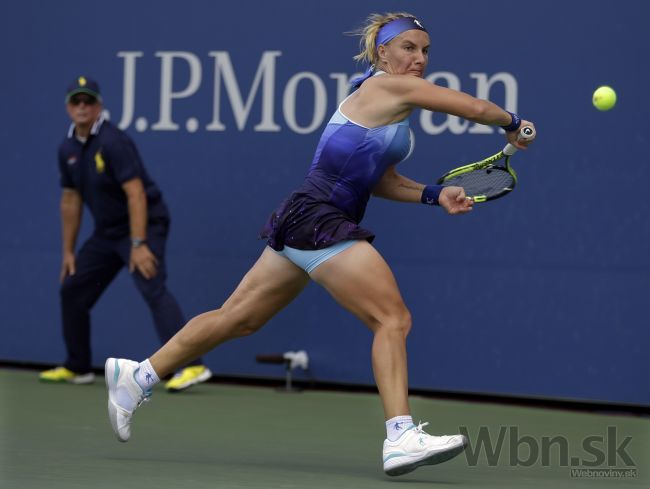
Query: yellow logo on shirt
column 100, row 166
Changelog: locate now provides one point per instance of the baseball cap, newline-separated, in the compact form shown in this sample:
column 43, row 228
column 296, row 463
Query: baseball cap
column 83, row 84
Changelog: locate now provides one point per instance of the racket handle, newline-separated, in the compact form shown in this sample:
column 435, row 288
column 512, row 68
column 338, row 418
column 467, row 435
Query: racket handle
column 527, row 132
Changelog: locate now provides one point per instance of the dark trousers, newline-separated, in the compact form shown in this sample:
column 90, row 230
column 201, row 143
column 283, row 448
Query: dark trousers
column 97, row 263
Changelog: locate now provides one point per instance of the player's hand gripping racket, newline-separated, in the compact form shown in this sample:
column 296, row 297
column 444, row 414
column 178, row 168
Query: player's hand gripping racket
column 486, row 179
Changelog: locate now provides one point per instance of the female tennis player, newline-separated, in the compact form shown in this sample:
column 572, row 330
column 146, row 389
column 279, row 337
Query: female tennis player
column 315, row 234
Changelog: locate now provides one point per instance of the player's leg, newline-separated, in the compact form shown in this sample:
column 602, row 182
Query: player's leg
column 96, row 266
column 268, row 287
column 361, row 281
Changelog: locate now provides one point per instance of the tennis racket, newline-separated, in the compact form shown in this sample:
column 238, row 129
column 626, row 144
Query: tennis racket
column 487, row 179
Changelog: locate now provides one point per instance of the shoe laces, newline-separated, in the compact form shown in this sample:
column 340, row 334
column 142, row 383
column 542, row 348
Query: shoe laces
column 419, row 427
column 146, row 397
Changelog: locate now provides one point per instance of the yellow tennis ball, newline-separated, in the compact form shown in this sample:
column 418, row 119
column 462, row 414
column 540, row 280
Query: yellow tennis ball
column 604, row 98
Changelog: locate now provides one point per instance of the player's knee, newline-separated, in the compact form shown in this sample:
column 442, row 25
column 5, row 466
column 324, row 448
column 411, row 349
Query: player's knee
column 241, row 323
column 405, row 322
column 398, row 323
column 247, row 326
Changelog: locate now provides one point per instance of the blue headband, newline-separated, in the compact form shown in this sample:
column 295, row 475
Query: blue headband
column 385, row 35
column 395, row 27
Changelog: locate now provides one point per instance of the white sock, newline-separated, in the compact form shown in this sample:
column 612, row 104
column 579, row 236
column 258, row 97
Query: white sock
column 398, row 425
column 146, row 376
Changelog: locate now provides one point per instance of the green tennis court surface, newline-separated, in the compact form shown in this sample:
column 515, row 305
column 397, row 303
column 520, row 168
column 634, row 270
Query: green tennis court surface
column 58, row 436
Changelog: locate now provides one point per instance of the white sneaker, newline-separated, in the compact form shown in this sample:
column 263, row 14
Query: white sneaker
column 416, row 447
column 124, row 394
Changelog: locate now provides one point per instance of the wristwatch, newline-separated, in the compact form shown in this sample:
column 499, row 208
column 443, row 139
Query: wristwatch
column 135, row 242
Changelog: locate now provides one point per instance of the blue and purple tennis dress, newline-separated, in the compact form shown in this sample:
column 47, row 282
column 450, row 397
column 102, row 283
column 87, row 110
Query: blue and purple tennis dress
column 328, row 207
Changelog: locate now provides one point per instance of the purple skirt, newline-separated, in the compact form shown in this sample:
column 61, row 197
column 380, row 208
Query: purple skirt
column 305, row 224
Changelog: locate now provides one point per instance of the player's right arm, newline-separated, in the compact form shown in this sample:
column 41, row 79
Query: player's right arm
column 71, row 209
column 414, row 92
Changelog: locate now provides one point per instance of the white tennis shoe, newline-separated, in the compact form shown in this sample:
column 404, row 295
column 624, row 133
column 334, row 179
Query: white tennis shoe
column 124, row 394
column 416, row 447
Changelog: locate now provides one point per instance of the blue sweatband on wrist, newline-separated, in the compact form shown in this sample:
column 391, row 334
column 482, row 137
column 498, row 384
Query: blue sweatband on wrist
column 514, row 124
column 430, row 194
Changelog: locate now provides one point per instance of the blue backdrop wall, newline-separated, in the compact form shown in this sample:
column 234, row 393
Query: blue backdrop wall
column 545, row 293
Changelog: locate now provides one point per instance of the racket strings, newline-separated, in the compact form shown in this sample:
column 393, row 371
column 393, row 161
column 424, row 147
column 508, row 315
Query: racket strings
column 489, row 182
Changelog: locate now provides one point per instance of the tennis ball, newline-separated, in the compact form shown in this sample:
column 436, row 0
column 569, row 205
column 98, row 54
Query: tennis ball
column 604, row 98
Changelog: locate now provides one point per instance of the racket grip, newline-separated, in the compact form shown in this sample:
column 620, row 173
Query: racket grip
column 527, row 132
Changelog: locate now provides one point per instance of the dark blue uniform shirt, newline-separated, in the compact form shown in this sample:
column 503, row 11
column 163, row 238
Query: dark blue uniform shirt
column 98, row 168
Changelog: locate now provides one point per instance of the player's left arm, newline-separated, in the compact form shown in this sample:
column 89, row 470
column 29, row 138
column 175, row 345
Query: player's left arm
column 394, row 186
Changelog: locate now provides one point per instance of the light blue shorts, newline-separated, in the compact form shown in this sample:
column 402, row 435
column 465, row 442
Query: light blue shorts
column 308, row 260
